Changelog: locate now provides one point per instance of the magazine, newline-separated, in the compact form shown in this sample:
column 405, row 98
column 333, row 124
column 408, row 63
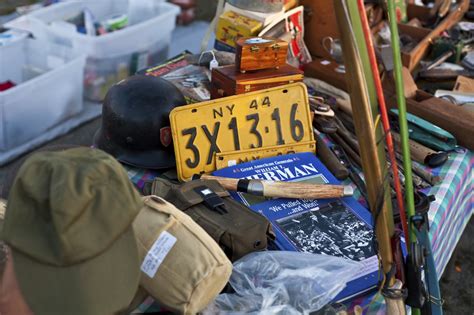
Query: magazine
column 192, row 80
column 338, row 227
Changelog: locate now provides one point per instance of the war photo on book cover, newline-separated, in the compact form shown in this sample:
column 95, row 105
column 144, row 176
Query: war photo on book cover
column 331, row 230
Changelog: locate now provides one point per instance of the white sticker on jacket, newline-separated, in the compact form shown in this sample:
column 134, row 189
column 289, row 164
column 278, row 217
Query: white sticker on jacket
column 157, row 253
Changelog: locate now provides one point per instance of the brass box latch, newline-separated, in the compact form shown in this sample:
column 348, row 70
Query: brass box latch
column 254, row 49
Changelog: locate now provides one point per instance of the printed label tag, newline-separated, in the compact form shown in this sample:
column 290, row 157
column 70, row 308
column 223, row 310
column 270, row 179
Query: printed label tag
column 157, row 253
column 203, row 93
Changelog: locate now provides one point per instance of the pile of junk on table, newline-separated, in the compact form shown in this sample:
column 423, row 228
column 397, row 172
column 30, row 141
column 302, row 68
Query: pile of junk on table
column 317, row 160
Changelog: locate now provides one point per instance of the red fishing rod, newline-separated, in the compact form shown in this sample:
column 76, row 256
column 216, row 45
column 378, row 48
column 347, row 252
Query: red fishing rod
column 383, row 115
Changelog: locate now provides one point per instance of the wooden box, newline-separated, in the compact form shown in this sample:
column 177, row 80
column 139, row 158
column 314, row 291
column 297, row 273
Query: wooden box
column 424, row 36
column 256, row 53
column 228, row 80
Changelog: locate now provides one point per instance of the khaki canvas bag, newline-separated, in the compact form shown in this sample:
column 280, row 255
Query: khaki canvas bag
column 183, row 268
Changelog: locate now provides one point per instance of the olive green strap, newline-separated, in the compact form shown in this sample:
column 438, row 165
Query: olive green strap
column 3, row 258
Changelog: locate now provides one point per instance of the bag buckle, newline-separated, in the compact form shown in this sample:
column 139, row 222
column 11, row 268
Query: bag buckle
column 211, row 199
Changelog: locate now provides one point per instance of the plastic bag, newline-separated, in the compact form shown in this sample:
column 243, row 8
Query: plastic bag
column 284, row 282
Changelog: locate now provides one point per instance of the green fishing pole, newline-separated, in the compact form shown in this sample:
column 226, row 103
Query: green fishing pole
column 419, row 238
column 402, row 118
column 397, row 68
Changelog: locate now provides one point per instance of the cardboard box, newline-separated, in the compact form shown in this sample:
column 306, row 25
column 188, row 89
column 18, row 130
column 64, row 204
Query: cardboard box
column 232, row 26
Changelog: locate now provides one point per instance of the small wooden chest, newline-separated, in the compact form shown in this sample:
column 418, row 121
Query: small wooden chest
column 256, row 53
column 227, row 80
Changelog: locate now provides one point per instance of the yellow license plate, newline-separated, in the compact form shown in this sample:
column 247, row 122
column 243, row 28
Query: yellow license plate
column 225, row 159
column 267, row 118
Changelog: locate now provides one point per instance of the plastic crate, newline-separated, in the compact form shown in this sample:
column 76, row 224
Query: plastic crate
column 48, row 91
column 115, row 55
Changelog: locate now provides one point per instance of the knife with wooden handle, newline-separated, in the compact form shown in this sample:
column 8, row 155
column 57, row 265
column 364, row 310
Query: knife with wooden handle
column 282, row 189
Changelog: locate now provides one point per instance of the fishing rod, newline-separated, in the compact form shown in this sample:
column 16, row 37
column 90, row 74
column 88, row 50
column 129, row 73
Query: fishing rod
column 383, row 114
column 418, row 234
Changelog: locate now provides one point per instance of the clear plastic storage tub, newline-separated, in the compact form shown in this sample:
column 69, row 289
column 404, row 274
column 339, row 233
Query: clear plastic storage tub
column 112, row 56
column 47, row 89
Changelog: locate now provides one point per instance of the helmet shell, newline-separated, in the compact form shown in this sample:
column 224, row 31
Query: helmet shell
column 135, row 122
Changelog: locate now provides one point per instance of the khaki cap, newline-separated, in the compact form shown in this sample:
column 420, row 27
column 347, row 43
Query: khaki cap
column 68, row 223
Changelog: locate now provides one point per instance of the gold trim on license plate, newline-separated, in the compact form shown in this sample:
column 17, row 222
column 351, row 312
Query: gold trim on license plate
column 262, row 119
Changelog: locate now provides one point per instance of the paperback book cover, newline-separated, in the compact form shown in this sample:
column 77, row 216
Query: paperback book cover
column 338, row 227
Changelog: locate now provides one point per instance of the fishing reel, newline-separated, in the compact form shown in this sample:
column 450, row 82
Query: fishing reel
column 420, row 221
column 417, row 259
column 418, row 255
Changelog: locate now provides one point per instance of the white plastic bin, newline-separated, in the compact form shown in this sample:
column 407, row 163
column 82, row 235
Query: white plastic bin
column 12, row 48
column 115, row 55
column 48, row 89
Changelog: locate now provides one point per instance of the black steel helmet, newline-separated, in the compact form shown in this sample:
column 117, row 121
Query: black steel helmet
column 135, row 122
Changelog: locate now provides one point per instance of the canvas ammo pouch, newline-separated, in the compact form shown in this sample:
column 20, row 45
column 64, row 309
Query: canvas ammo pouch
column 237, row 229
column 182, row 267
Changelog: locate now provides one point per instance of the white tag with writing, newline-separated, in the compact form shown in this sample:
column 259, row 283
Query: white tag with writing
column 157, row 253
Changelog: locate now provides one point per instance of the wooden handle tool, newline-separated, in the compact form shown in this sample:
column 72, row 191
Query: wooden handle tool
column 282, row 189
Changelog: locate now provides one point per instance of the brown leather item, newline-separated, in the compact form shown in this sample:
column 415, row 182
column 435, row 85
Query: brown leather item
column 256, row 53
column 227, row 80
